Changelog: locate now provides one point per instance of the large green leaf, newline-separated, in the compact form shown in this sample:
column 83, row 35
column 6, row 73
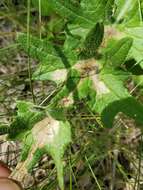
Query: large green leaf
column 52, row 136
column 114, row 81
column 69, row 9
column 47, row 136
column 85, row 14
column 109, row 87
column 116, row 55
column 39, row 134
column 52, row 59
column 128, row 23
column 44, row 51
column 97, row 10
column 129, row 106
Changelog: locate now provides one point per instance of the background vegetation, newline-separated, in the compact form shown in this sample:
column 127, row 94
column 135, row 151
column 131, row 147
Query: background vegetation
column 71, row 89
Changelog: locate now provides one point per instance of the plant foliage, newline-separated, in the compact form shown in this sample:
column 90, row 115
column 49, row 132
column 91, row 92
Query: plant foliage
column 89, row 65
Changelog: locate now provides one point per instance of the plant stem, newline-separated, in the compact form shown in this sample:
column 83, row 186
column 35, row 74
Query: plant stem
column 99, row 187
column 40, row 20
column 28, row 47
column 140, row 12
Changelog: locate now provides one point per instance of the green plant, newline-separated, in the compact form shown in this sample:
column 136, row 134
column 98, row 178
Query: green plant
column 88, row 65
column 46, row 8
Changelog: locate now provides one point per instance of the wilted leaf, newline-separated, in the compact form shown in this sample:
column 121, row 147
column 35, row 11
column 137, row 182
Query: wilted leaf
column 47, row 136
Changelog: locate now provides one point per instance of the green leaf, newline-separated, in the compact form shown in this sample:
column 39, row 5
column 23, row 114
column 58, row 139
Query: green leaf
column 109, row 10
column 137, row 47
column 114, row 81
column 79, row 31
column 83, row 88
column 57, row 148
column 52, row 59
column 56, row 135
column 43, row 51
column 96, row 10
column 26, row 117
column 128, row 12
column 93, row 40
column 37, row 135
column 109, row 87
column 70, row 48
column 58, row 76
column 117, row 53
column 47, row 136
column 70, row 85
column 69, row 9
column 129, row 106
column 71, row 42
column 85, row 14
